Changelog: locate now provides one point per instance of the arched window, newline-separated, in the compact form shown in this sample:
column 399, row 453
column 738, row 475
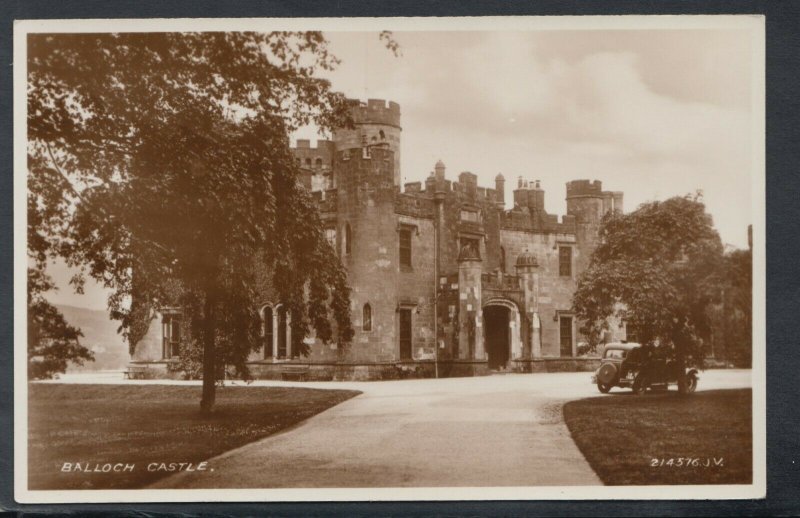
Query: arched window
column 318, row 163
column 502, row 259
column 348, row 238
column 308, row 162
column 366, row 320
column 268, row 331
column 382, row 134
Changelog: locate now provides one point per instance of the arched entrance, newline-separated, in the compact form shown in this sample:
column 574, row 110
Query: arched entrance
column 497, row 335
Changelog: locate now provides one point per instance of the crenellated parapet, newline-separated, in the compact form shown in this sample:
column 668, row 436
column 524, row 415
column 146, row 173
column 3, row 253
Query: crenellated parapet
column 577, row 188
column 375, row 111
column 588, row 202
column 414, row 204
column 319, row 157
column 522, row 219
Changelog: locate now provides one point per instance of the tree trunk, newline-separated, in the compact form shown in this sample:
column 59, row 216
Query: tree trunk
column 209, row 356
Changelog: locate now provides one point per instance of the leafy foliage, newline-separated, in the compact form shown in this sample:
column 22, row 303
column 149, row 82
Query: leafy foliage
column 158, row 157
column 52, row 343
column 655, row 269
column 732, row 313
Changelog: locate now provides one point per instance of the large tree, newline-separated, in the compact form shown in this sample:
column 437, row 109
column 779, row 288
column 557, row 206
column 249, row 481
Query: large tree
column 732, row 313
column 656, row 270
column 52, row 342
column 162, row 159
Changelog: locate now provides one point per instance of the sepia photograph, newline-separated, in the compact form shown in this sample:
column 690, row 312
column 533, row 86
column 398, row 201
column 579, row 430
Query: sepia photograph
column 481, row 258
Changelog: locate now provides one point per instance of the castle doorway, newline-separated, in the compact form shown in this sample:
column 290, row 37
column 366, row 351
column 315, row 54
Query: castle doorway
column 497, row 336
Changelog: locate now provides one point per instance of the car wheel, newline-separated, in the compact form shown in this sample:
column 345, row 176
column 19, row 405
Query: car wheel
column 602, row 387
column 640, row 385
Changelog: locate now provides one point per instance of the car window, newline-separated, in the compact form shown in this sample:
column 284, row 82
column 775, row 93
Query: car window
column 615, row 354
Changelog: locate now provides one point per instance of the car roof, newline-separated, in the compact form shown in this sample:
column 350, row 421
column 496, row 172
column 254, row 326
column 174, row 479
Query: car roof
column 625, row 347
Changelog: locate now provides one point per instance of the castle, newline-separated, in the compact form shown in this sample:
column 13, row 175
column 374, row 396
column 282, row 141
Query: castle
column 445, row 281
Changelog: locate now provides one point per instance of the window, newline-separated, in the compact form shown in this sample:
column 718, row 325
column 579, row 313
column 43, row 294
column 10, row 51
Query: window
column 472, row 243
column 405, row 247
column 365, row 152
column 502, row 259
column 268, row 332
column 171, row 336
column 565, row 334
column 565, row 261
column 308, row 163
column 281, row 332
column 615, row 354
column 405, row 334
column 346, row 154
column 330, row 236
column 318, row 163
column 382, row 135
column 366, row 318
column 348, row 238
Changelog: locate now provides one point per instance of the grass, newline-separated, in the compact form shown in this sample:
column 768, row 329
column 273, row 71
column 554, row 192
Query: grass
column 141, row 424
column 623, row 436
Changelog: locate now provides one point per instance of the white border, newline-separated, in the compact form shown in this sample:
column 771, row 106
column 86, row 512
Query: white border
column 754, row 23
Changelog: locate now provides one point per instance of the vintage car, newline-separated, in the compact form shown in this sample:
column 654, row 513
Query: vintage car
column 629, row 365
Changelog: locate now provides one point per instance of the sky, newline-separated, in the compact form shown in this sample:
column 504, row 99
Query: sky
column 652, row 113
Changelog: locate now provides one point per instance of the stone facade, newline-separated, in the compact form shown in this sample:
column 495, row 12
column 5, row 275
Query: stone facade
column 436, row 262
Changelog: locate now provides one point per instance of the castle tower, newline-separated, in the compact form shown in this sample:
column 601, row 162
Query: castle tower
column 369, row 247
column 376, row 122
column 588, row 202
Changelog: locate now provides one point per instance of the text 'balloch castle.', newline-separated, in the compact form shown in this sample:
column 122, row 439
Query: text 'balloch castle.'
column 440, row 262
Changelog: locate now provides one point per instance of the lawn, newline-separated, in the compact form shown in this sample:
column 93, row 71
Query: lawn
column 662, row 438
column 144, row 424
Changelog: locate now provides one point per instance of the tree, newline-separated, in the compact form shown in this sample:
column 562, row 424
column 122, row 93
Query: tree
column 52, row 343
column 162, row 160
column 732, row 313
column 654, row 269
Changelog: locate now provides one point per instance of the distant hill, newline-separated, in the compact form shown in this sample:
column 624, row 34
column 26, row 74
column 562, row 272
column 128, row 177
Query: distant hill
column 100, row 336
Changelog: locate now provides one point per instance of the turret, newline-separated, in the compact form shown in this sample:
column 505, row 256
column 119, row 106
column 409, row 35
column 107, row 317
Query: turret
column 527, row 267
column 438, row 171
column 470, row 339
column 588, row 202
column 500, row 187
column 375, row 122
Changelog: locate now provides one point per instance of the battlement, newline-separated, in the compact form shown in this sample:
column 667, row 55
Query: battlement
column 584, row 188
column 317, row 157
column 588, row 201
column 520, row 218
column 375, row 111
column 306, row 144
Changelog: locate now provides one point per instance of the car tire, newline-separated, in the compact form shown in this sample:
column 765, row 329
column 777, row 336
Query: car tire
column 602, row 387
column 640, row 385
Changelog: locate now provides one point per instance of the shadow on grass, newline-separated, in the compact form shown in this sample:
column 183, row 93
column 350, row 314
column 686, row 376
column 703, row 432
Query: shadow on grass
column 665, row 438
column 147, row 425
